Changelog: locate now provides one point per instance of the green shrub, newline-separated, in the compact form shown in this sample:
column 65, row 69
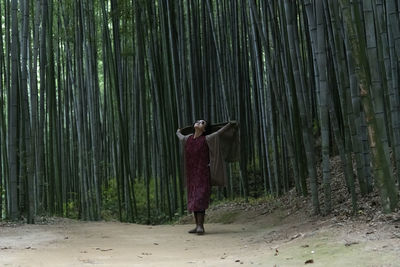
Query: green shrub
column 109, row 209
column 72, row 210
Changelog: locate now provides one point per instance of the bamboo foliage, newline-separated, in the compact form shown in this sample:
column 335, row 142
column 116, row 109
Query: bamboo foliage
column 92, row 92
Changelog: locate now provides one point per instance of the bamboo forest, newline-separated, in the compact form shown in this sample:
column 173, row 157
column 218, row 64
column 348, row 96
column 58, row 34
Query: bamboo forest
column 92, row 93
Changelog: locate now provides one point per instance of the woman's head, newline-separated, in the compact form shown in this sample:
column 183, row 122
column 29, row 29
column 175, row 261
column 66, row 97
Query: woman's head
column 202, row 126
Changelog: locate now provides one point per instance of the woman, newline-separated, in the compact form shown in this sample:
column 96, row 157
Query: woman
column 204, row 164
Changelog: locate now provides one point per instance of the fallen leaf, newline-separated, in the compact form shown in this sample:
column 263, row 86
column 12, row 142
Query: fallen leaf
column 309, row 261
column 155, row 244
column 87, row 261
column 305, row 246
column 102, row 249
column 237, row 260
column 296, row 236
column 348, row 244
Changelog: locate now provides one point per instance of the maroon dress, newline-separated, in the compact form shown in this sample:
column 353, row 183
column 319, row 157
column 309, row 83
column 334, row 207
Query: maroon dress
column 197, row 173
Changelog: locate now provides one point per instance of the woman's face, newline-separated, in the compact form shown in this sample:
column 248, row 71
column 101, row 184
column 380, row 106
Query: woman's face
column 201, row 125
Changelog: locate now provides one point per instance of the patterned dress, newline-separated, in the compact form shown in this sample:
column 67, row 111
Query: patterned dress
column 197, row 173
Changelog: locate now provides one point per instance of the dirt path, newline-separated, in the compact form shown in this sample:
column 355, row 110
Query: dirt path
column 279, row 242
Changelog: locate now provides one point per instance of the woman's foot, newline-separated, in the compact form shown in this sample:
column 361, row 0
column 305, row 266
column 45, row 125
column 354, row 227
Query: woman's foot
column 196, row 218
column 193, row 231
column 200, row 225
column 200, row 230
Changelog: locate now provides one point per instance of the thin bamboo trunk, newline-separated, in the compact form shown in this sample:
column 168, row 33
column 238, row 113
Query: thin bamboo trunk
column 13, row 209
column 29, row 148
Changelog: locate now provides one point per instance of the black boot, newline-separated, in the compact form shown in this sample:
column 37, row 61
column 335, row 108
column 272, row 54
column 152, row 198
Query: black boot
column 200, row 225
column 193, row 231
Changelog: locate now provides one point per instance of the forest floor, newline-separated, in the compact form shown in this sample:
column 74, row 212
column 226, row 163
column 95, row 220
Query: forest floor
column 274, row 232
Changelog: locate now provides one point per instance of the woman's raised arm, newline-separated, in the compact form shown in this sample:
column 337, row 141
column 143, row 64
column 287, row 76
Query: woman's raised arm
column 223, row 129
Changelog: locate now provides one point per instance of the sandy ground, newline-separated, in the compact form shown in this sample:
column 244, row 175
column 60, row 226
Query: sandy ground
column 271, row 240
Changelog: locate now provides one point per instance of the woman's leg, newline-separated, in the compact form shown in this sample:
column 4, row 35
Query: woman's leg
column 200, row 224
column 193, row 231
